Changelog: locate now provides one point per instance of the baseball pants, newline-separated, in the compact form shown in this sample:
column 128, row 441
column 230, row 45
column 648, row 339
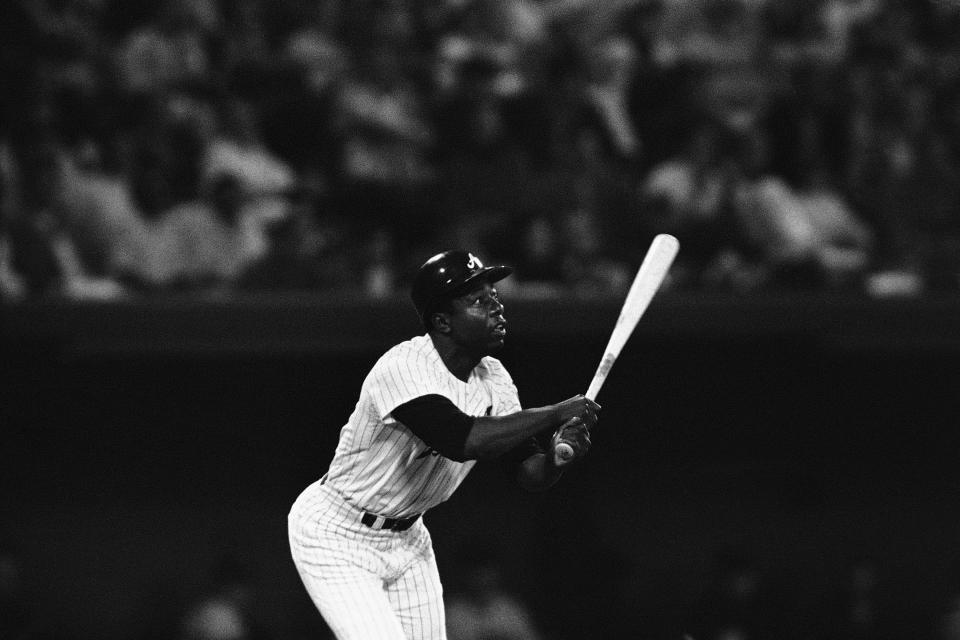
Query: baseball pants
column 368, row 584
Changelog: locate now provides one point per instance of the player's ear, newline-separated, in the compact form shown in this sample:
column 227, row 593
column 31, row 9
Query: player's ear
column 440, row 321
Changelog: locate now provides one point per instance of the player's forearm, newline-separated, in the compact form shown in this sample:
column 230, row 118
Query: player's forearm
column 538, row 473
column 493, row 436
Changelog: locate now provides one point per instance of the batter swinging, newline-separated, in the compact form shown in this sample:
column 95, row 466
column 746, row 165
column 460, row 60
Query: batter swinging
column 428, row 410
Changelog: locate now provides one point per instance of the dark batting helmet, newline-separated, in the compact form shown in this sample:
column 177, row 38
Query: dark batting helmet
column 446, row 273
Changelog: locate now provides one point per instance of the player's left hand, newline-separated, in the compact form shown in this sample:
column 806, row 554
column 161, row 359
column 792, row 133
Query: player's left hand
column 575, row 433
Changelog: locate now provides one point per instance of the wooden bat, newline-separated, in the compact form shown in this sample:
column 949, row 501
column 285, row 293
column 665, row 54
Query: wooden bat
column 653, row 270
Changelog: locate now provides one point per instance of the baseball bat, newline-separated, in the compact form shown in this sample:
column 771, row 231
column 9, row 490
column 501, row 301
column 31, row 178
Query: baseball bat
column 653, row 270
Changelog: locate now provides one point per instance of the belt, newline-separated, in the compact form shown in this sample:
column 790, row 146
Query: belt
column 379, row 522
column 393, row 524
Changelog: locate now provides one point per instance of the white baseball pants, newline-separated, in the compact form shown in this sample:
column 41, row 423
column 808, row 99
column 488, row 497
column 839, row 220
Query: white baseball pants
column 368, row 584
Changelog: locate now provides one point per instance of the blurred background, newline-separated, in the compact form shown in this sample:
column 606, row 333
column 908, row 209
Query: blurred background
column 210, row 212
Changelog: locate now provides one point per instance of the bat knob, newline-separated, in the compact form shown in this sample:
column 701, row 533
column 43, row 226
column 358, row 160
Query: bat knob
column 562, row 453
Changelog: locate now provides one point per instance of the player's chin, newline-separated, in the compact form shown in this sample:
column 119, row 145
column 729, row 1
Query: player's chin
column 498, row 335
column 495, row 343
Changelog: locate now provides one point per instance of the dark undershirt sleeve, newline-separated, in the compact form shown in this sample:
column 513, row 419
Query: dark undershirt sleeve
column 438, row 422
column 444, row 428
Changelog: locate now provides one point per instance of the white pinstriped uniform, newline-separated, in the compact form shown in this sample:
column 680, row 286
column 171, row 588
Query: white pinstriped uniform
column 373, row 584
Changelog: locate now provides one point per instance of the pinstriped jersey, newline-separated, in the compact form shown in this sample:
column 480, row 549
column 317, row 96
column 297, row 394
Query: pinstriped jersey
column 380, row 465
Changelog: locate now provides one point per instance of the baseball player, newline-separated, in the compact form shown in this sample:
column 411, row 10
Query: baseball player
column 430, row 408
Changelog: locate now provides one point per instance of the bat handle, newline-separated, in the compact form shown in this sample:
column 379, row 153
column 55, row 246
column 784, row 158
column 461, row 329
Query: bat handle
column 594, row 388
column 601, row 375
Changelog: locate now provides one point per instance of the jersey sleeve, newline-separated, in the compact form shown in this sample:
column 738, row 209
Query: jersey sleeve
column 397, row 380
column 507, row 402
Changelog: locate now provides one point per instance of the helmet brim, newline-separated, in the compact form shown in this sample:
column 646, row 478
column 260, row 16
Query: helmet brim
column 485, row 274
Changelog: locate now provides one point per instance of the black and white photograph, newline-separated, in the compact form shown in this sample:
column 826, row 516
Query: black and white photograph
column 480, row 319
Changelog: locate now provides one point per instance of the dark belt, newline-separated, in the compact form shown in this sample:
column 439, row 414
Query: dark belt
column 393, row 524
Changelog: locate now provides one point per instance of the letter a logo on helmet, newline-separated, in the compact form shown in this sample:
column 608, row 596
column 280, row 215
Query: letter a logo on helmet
column 473, row 262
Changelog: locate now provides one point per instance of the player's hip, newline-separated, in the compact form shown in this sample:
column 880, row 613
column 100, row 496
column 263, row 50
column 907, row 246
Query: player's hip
column 328, row 536
column 321, row 511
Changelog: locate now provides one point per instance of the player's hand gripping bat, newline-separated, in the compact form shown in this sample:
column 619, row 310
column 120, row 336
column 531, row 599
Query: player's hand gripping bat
column 649, row 277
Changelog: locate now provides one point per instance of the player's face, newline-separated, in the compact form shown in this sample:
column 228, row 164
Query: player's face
column 477, row 321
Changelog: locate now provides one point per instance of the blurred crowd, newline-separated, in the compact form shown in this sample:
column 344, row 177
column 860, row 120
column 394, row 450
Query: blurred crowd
column 738, row 599
column 227, row 146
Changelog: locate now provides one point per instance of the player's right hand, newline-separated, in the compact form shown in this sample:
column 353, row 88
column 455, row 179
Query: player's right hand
column 579, row 406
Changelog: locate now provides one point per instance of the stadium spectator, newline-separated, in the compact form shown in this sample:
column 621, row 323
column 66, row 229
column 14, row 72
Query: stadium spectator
column 46, row 239
column 845, row 244
column 902, row 174
column 816, row 33
column 237, row 149
column 308, row 251
column 540, row 267
column 599, row 151
column 106, row 223
column 587, row 269
column 494, row 174
column 777, row 232
column 296, row 98
column 688, row 195
column 385, row 139
column 610, row 71
column 204, row 244
column 12, row 285
column 171, row 51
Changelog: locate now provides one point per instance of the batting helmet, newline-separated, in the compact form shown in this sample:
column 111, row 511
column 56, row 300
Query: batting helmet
column 446, row 273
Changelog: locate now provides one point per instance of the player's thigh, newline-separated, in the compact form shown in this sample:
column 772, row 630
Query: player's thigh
column 353, row 603
column 417, row 597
